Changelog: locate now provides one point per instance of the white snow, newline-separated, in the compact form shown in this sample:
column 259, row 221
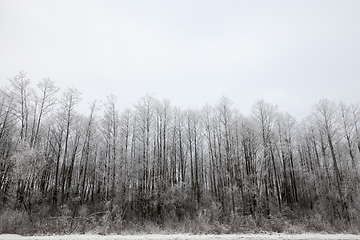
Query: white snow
column 273, row 236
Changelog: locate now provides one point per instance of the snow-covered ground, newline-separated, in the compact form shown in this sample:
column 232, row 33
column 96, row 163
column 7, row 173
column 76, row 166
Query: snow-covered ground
column 185, row 237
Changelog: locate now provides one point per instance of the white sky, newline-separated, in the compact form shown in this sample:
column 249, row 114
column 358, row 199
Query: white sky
column 291, row 53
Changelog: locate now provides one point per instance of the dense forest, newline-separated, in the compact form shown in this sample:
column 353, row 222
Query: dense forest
column 156, row 167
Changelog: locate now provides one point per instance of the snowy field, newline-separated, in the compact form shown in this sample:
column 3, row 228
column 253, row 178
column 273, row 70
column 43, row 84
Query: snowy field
column 186, row 237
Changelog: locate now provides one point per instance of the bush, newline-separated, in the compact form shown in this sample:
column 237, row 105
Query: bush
column 209, row 220
column 15, row 222
column 317, row 223
column 243, row 224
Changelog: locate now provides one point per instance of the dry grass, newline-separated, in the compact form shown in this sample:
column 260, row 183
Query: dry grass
column 16, row 222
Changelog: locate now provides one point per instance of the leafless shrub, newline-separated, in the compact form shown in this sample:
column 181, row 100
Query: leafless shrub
column 15, row 222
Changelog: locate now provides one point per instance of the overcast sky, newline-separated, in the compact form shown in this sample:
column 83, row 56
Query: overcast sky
column 290, row 53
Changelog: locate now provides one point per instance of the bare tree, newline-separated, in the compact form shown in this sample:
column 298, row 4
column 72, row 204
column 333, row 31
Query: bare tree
column 264, row 115
column 68, row 117
column 19, row 93
column 111, row 133
column 47, row 100
column 325, row 116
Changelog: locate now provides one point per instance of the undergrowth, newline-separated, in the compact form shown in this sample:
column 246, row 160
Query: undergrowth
column 204, row 222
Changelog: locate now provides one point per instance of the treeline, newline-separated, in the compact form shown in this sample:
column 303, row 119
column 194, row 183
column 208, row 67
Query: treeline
column 158, row 164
